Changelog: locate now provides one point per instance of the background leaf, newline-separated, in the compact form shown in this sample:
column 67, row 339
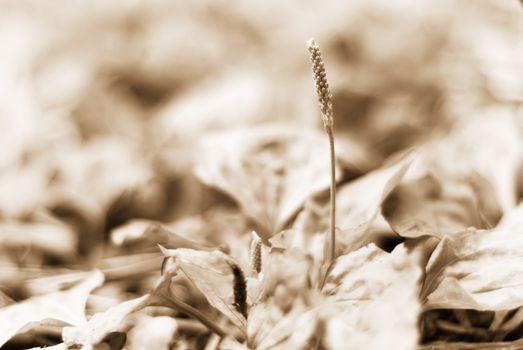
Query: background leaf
column 374, row 300
column 103, row 323
column 66, row 307
column 269, row 171
column 358, row 205
column 438, row 205
column 478, row 270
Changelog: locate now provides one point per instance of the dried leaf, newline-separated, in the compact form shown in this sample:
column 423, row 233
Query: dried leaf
column 61, row 307
column 102, row 324
column 285, row 316
column 277, row 330
column 152, row 231
column 375, row 300
column 438, row 205
column 474, row 147
column 478, row 270
column 211, row 273
column 369, row 300
column 358, row 204
column 270, row 171
column 513, row 221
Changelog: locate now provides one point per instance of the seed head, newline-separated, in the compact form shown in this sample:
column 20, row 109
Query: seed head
column 255, row 254
column 239, row 289
column 322, row 86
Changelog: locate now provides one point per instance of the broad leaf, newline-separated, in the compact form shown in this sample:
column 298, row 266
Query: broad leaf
column 374, row 297
column 490, row 145
column 270, row 171
column 368, row 301
column 286, row 308
column 358, row 204
column 513, row 221
column 211, row 273
column 139, row 230
column 279, row 330
column 479, row 270
column 439, row 205
column 101, row 324
column 67, row 307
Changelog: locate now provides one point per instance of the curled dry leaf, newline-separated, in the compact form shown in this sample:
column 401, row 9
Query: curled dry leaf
column 139, row 230
column 374, row 297
column 478, row 270
column 211, row 273
column 439, row 205
column 269, row 171
column 491, row 146
column 67, row 307
column 358, row 204
column 101, row 324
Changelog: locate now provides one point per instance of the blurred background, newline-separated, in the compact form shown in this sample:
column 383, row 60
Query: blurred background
column 103, row 104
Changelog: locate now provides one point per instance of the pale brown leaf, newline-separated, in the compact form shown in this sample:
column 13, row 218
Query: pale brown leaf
column 211, row 273
column 478, row 270
column 269, row 171
column 491, row 145
column 101, row 324
column 139, row 230
column 358, row 204
column 439, row 205
column 67, row 307
column 374, row 296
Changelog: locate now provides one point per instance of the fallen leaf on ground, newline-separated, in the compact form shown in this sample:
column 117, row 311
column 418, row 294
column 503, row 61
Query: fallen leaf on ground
column 512, row 221
column 439, row 205
column 139, row 230
column 477, row 269
column 490, row 146
column 270, row 171
column 357, row 205
column 101, row 324
column 67, row 307
column 374, row 297
column 285, row 314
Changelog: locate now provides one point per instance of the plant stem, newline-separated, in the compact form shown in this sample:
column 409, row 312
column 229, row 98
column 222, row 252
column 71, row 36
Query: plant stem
column 330, row 133
column 325, row 102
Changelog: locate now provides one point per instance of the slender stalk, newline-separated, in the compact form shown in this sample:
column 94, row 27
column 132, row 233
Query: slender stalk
column 325, row 102
column 330, row 132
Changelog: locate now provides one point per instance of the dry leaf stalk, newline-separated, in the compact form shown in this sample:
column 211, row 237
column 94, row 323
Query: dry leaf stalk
column 325, row 102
